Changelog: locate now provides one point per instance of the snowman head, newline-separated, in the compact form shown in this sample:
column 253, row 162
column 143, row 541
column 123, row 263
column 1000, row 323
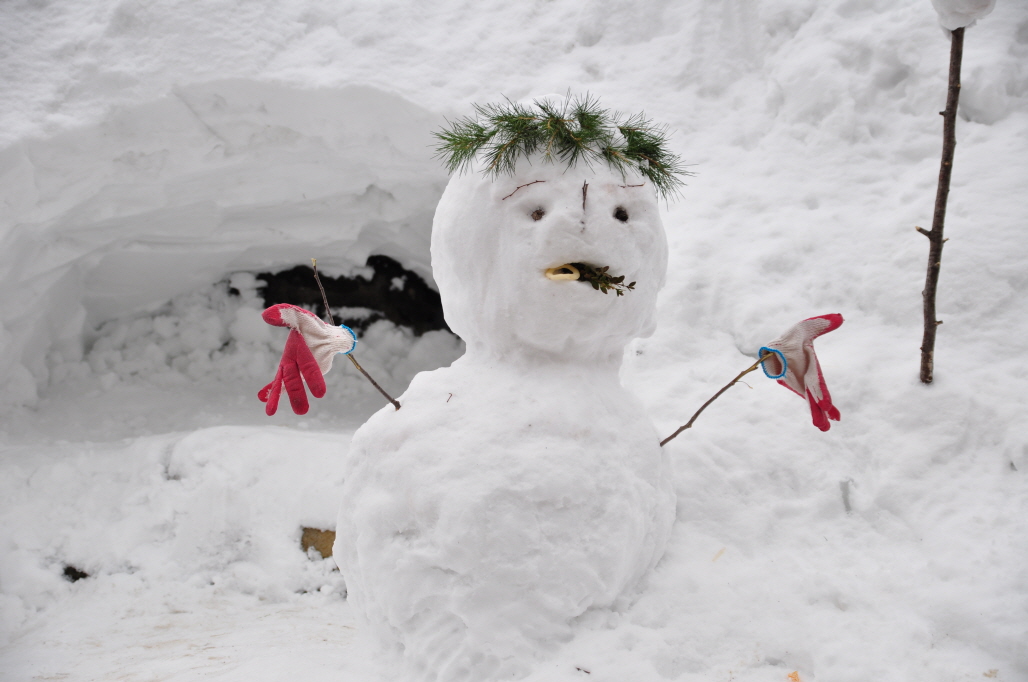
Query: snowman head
column 494, row 238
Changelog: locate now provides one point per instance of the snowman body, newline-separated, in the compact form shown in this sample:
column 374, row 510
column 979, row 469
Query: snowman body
column 523, row 485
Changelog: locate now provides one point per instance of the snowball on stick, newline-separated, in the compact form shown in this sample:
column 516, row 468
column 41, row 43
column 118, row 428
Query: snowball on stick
column 954, row 14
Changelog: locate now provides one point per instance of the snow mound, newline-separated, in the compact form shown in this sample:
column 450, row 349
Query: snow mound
column 189, row 508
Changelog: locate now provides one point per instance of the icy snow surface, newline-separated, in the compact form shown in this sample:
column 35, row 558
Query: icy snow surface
column 155, row 156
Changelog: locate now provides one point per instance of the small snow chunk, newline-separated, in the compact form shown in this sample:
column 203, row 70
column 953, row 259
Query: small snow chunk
column 954, row 14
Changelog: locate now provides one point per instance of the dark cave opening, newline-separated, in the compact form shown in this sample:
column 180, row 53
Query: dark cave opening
column 393, row 293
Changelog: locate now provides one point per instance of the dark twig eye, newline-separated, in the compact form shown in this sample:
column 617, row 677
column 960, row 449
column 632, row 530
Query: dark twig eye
column 538, row 213
column 621, row 214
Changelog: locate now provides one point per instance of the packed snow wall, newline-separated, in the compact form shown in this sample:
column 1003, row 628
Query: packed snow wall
column 216, row 178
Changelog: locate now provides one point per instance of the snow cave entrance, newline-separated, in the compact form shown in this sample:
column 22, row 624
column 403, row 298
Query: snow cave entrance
column 159, row 234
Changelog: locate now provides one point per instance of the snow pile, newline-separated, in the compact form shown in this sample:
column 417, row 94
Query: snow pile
column 179, row 508
column 218, row 333
column 522, row 486
column 194, row 335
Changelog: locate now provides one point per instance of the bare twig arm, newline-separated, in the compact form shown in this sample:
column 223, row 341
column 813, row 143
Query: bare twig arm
column 717, row 395
column 935, row 238
column 373, row 382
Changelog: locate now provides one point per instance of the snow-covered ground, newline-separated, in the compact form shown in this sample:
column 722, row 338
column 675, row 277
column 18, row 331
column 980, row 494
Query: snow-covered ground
column 155, row 155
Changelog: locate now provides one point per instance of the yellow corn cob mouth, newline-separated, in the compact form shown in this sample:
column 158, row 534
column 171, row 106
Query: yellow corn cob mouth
column 566, row 272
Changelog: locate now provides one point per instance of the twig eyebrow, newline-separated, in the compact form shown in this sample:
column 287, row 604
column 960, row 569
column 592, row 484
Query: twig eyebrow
column 519, row 187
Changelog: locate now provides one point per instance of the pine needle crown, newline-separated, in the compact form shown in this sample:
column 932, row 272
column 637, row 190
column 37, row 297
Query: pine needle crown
column 576, row 129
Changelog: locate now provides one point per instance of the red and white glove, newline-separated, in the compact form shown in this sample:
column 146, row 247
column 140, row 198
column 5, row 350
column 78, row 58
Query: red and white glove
column 310, row 348
column 796, row 367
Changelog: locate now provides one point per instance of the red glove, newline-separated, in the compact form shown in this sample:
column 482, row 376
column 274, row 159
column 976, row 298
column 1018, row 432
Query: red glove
column 310, row 348
column 796, row 367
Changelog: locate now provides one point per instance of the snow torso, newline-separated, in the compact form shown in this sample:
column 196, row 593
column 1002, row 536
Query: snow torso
column 523, row 485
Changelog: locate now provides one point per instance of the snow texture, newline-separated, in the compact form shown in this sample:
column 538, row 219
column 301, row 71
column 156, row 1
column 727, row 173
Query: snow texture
column 154, row 156
column 523, row 485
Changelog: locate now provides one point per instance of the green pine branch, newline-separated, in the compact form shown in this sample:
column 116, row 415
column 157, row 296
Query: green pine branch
column 577, row 129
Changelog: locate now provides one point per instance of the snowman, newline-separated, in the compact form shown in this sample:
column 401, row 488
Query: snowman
column 522, row 486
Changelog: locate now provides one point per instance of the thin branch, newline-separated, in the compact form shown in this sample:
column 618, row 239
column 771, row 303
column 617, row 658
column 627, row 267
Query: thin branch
column 373, row 382
column 519, row 187
column 935, row 237
column 717, row 395
column 328, row 314
column 324, row 297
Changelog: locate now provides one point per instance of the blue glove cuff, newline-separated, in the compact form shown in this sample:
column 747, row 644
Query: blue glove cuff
column 353, row 335
column 764, row 350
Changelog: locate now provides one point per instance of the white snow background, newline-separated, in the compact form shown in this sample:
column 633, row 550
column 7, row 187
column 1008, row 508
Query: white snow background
column 155, row 154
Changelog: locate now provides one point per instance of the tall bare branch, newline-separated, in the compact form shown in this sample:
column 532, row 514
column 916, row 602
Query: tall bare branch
column 935, row 236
